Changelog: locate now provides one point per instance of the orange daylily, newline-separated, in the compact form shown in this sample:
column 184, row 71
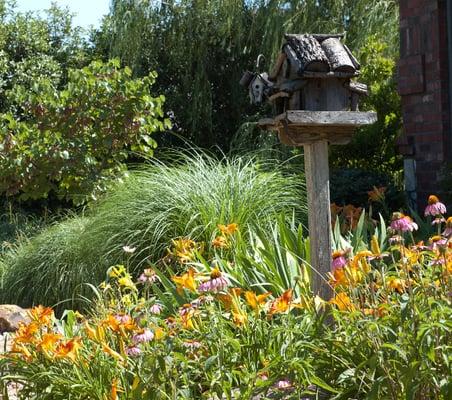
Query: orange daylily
column 108, row 350
column 282, row 303
column 68, row 349
column 220, row 242
column 114, row 390
column 343, row 302
column 255, row 301
column 41, row 314
column 49, row 340
column 239, row 318
column 396, row 283
column 27, row 332
column 186, row 281
column 377, row 194
column 228, row 229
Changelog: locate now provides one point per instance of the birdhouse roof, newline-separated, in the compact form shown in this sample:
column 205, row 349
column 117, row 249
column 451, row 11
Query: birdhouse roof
column 317, row 55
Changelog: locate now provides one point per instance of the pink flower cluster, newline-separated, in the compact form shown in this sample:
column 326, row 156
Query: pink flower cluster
column 403, row 223
column 434, row 207
column 216, row 283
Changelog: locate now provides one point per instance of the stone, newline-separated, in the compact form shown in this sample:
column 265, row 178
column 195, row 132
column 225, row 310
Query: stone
column 11, row 316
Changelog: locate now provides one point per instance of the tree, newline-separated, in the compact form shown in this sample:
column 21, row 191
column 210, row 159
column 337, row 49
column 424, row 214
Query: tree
column 200, row 48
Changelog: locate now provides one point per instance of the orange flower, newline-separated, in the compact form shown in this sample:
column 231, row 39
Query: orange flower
column 343, row 302
column 187, row 281
column 255, row 301
column 27, row 332
column 114, row 390
column 377, row 194
column 42, row 314
column 220, row 242
column 282, row 303
column 68, row 349
column 228, row 229
column 49, row 340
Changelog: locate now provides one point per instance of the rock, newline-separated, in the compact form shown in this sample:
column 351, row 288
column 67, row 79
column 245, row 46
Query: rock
column 11, row 316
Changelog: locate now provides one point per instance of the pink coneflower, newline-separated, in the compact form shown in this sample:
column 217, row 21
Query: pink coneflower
column 437, row 243
column 448, row 231
column 403, row 223
column 283, row 384
column 148, row 276
column 434, row 207
column 339, row 260
column 155, row 309
column 216, row 283
column 133, row 351
column 192, row 344
column 202, row 300
column 145, row 336
column 396, row 239
column 186, row 309
column 124, row 319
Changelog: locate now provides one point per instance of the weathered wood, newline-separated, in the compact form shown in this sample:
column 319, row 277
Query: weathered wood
column 278, row 65
column 278, row 95
column 319, row 216
column 322, row 36
column 357, row 87
column 309, row 53
column 329, row 75
column 352, row 57
column 328, row 118
column 337, row 56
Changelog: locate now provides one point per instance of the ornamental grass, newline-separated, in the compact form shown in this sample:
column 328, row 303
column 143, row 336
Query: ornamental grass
column 187, row 197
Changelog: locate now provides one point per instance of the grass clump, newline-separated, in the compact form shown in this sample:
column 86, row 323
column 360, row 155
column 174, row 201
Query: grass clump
column 156, row 203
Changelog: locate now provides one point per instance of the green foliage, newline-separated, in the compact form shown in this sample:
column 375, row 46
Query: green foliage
column 201, row 48
column 351, row 186
column 373, row 147
column 155, row 204
column 70, row 141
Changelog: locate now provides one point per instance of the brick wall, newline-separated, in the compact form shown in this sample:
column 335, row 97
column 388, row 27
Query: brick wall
column 424, row 88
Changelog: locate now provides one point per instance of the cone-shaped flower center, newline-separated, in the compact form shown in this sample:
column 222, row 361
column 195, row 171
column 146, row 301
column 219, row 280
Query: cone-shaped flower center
column 432, row 199
column 215, row 273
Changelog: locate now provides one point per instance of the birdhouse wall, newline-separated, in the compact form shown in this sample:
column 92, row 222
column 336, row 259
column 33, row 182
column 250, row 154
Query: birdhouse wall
column 324, row 94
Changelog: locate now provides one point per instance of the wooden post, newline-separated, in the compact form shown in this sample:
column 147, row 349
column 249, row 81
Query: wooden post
column 319, row 215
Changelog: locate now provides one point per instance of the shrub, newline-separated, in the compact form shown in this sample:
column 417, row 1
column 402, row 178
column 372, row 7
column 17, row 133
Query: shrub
column 69, row 142
column 153, row 205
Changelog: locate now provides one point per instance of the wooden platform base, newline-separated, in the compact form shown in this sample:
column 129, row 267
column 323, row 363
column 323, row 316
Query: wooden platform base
column 296, row 127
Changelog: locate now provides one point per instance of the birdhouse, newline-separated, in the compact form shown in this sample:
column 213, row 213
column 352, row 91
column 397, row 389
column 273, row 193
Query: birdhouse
column 313, row 72
column 315, row 103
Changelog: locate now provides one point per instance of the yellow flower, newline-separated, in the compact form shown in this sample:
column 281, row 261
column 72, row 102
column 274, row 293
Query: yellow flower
column 117, row 271
column 186, row 281
column 343, row 302
column 255, row 301
column 114, row 390
column 185, row 249
column 239, row 318
column 396, row 283
column 359, row 262
column 126, row 282
column 68, row 349
column 228, row 229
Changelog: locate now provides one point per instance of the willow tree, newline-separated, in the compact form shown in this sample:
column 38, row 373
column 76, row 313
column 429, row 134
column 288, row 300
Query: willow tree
column 201, row 47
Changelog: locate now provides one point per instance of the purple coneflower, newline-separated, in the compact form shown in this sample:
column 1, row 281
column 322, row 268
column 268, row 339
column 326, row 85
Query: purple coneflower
column 145, row 336
column 186, row 309
column 216, row 283
column 133, row 351
column 148, row 276
column 448, row 231
column 437, row 243
column 434, row 207
column 156, row 309
column 192, row 344
column 283, row 384
column 403, row 223
column 339, row 260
